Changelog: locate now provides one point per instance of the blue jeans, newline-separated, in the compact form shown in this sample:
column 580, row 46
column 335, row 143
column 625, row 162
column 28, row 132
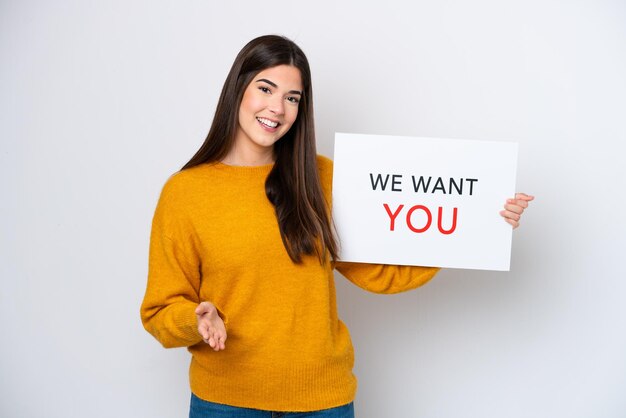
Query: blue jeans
column 202, row 409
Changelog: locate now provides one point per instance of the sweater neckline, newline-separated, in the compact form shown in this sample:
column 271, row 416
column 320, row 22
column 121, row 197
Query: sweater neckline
column 244, row 169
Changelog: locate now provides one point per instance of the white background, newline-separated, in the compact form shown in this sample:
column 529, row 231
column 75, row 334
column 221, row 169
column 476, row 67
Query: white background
column 100, row 101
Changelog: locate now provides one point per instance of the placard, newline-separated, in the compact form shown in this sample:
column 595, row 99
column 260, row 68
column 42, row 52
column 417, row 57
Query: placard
column 423, row 201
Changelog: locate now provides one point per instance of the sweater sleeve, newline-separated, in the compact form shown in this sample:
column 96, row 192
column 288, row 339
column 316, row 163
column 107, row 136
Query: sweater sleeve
column 168, row 307
column 384, row 278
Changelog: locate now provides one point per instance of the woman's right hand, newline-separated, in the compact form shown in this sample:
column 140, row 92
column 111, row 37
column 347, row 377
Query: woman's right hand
column 211, row 326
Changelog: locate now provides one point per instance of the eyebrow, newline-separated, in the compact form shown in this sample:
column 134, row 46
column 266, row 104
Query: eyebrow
column 271, row 83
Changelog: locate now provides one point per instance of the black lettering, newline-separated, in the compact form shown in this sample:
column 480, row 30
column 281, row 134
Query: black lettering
column 420, row 183
column 471, row 181
column 459, row 187
column 379, row 180
column 395, row 181
column 439, row 186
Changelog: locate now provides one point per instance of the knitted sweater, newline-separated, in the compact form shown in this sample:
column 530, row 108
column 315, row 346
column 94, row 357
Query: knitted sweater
column 215, row 238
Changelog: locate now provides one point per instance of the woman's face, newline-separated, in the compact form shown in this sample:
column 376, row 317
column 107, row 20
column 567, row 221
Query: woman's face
column 268, row 109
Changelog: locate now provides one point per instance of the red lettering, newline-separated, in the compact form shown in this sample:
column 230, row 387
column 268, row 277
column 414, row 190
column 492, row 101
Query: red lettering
column 393, row 216
column 451, row 230
column 428, row 214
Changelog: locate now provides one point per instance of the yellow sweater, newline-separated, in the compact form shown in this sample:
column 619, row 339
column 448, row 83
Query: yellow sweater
column 215, row 237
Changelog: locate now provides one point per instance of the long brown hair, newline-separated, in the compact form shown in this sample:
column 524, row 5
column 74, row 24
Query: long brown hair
column 293, row 185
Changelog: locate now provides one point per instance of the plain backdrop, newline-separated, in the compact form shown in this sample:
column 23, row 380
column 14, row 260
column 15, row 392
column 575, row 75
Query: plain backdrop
column 100, row 101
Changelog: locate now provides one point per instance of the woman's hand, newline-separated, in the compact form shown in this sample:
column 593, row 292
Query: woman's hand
column 211, row 326
column 514, row 208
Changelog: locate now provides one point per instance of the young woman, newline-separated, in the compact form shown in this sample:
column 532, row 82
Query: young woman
column 242, row 246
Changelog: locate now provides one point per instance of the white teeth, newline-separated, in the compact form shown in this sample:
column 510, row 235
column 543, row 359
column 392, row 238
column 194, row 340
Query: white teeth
column 267, row 122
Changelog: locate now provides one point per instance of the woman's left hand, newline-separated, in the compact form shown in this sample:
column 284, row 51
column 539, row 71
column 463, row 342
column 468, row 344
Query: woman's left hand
column 514, row 208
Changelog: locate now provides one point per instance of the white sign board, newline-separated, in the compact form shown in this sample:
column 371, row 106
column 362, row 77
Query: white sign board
column 423, row 201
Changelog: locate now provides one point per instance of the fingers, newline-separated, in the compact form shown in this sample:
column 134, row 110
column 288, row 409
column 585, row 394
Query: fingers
column 518, row 204
column 512, row 213
column 217, row 341
column 203, row 331
column 215, row 338
column 514, row 208
column 511, row 218
column 211, row 326
column 524, row 196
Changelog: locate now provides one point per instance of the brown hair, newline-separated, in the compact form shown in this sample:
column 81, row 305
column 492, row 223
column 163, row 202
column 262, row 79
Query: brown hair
column 293, row 186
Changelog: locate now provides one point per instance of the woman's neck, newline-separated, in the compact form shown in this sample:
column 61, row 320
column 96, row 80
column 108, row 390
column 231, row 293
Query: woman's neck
column 240, row 156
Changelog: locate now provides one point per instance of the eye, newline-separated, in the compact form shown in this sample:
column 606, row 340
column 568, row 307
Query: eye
column 293, row 99
column 265, row 89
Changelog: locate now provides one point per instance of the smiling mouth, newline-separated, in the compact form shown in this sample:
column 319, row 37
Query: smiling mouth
column 267, row 122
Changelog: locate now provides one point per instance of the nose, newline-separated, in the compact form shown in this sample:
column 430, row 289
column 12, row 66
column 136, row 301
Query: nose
column 277, row 105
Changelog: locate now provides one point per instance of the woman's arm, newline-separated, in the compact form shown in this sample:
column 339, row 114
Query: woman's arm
column 171, row 298
column 172, row 310
column 385, row 278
